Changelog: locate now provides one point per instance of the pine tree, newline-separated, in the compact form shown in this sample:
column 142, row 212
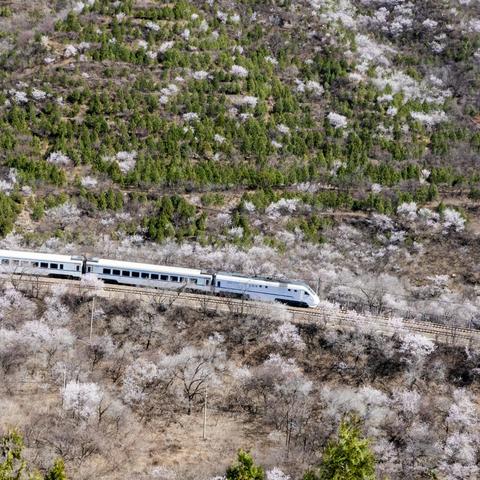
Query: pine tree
column 245, row 469
column 57, row 472
column 14, row 467
column 347, row 458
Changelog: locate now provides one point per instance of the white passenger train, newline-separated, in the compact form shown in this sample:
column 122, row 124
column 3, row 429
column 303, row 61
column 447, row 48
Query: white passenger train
column 293, row 293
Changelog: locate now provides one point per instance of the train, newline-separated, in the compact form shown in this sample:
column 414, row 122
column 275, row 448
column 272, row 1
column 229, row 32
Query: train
column 290, row 292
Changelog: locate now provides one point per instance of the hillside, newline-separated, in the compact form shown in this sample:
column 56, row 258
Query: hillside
column 344, row 133
column 332, row 141
column 126, row 401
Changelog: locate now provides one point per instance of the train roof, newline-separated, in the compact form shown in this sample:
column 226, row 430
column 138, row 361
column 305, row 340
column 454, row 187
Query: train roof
column 105, row 262
column 49, row 257
column 270, row 280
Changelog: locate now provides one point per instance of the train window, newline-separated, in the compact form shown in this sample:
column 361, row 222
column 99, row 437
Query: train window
column 54, row 266
column 154, row 276
column 61, row 266
column 218, row 284
column 107, row 271
column 78, row 267
column 295, row 291
column 15, row 262
column 306, row 293
column 135, row 274
column 125, row 273
column 43, row 265
column 174, row 278
column 5, row 261
column 192, row 280
column 181, row 279
column 145, row 275
column 208, row 282
column 115, row 272
column 164, row 278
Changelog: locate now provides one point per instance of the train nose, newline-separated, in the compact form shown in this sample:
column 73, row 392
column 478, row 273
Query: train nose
column 316, row 301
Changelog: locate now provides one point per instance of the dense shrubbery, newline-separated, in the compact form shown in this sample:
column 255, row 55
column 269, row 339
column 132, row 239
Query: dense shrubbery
column 10, row 207
column 208, row 110
column 175, row 217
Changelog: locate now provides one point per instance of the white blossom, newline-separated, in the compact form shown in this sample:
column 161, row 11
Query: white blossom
column 429, row 24
column 283, row 206
column 152, row 26
column 408, row 210
column 392, row 111
column 429, row 119
column 283, row 129
column 78, row 7
column 89, row 182
column 271, row 60
column 91, row 281
column 190, row 116
column 38, row 94
column 249, row 207
column 239, row 71
column 70, row 51
column 236, row 232
column 417, row 345
column 222, row 16
column 453, row 220
column 126, row 160
column 166, row 46
column 200, row 75
column 18, row 96
column 277, row 474
column 287, row 335
column 337, row 120
column 314, row 87
column 58, row 158
column 248, row 100
column 81, row 398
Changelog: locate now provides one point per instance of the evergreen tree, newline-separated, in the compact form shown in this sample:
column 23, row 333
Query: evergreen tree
column 244, row 468
column 12, row 464
column 14, row 467
column 57, row 472
column 347, row 458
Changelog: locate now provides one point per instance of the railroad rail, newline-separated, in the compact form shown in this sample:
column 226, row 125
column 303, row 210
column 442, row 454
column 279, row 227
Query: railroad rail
column 331, row 318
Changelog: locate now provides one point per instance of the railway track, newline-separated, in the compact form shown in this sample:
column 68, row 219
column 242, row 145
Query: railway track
column 327, row 318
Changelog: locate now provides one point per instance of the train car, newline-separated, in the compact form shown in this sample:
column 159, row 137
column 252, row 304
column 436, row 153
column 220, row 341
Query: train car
column 147, row 275
column 292, row 293
column 41, row 264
